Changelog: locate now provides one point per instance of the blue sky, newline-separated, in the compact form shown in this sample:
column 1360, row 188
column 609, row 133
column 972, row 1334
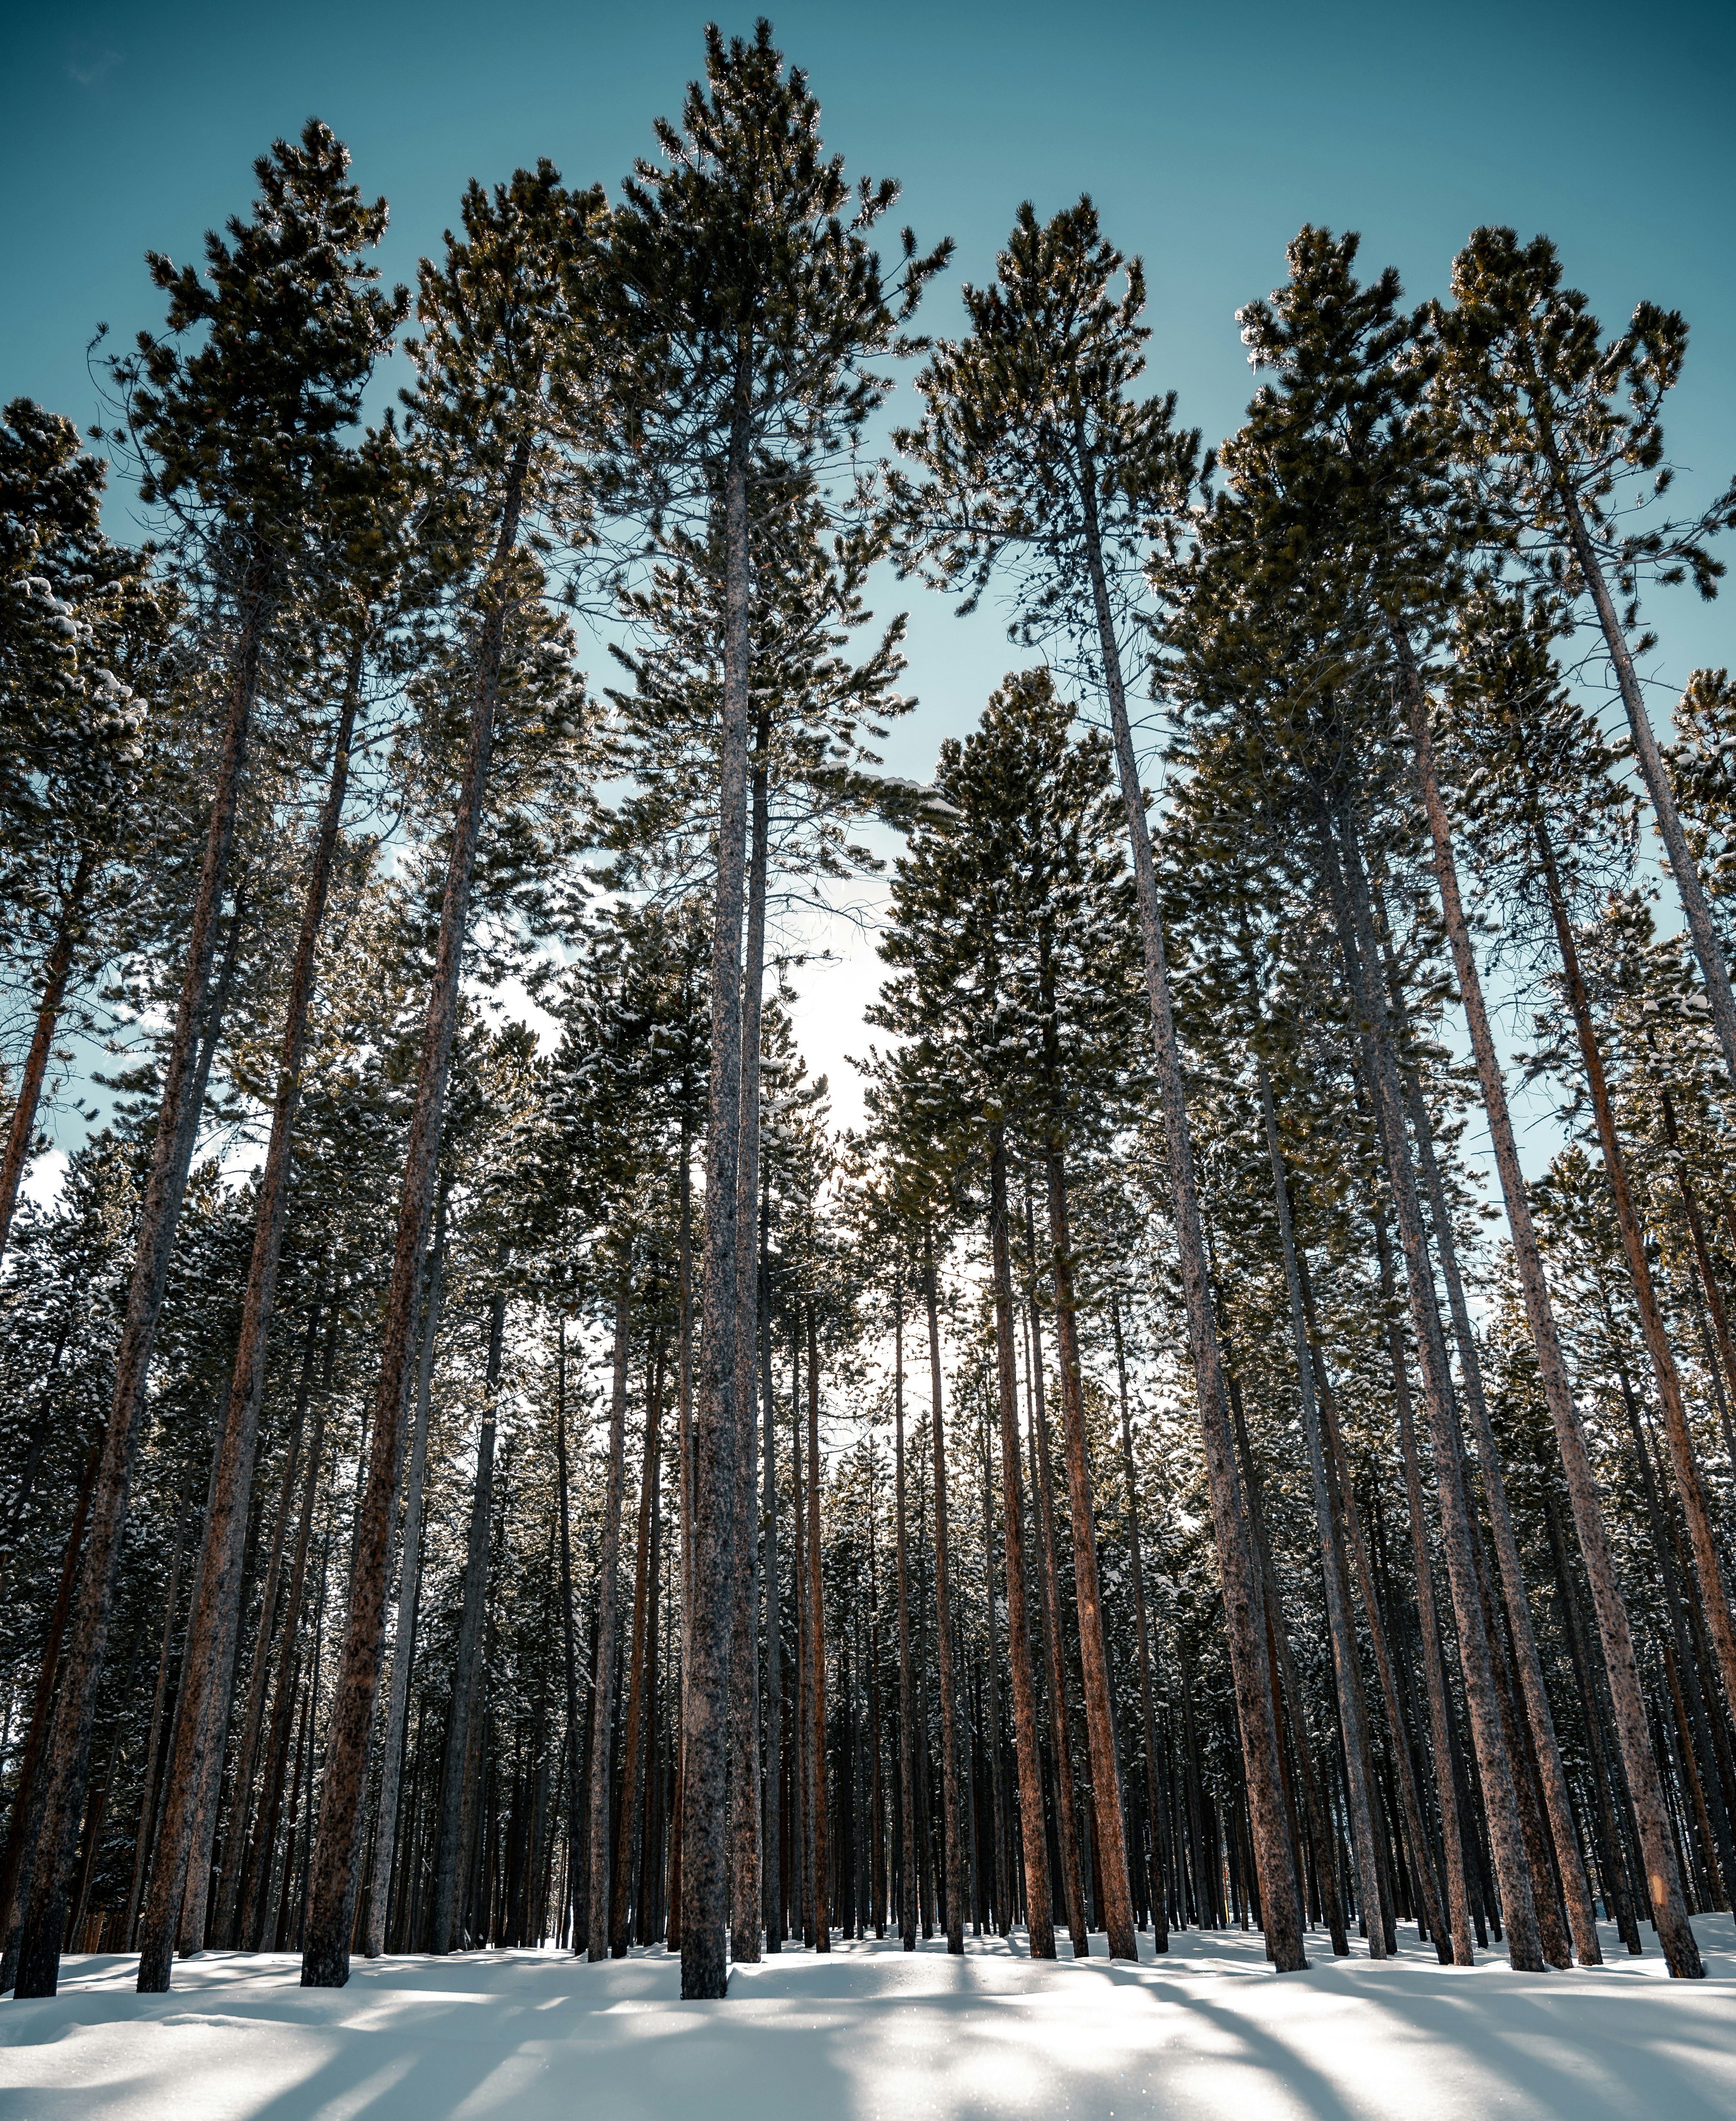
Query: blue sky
column 1205, row 135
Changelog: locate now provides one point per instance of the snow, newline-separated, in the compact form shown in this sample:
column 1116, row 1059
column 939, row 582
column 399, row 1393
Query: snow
column 1208, row 2033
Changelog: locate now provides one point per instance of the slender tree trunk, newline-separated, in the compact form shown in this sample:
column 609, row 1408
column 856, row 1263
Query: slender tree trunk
column 1689, row 889
column 638, row 1676
column 1154, row 1805
column 1043, row 1508
column 1038, row 1920
column 153, row 1765
column 1361, row 964
column 907, row 1697
column 29, row 1792
column 575, row 1786
column 817, row 1645
column 1689, row 1484
column 603, row 1702
column 684, row 1500
column 56, row 971
column 189, row 1060
column 1242, row 1597
column 744, row 1790
column 409, row 1590
column 771, row 1850
column 253, row 1716
column 256, row 1895
column 943, row 1618
column 1112, row 1870
column 1340, row 1625
column 1434, row 1680
column 325, row 1958
column 1669, row 1912
column 202, row 1716
column 466, row 1669
column 1422, row 1865
column 714, row 1549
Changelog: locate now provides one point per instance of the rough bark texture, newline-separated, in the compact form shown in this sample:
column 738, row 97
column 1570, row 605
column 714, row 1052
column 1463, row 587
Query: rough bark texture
column 632, row 1750
column 1341, row 1625
column 713, row 1549
column 467, row 1673
column 1633, row 1737
column 1039, row 1921
column 817, row 1666
column 744, row 1790
column 943, row 1618
column 1114, row 1894
column 325, row 1959
column 1154, row 1802
column 1349, row 888
column 1244, row 1601
column 202, row 1716
column 409, row 1586
column 907, row 1693
column 602, row 1695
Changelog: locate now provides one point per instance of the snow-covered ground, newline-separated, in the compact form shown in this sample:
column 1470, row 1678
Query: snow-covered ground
column 874, row 2032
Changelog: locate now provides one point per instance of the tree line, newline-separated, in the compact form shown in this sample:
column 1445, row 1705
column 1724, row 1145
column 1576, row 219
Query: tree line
column 472, row 1484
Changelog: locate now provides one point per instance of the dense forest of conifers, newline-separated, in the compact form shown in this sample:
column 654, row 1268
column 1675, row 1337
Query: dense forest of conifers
column 464, row 1486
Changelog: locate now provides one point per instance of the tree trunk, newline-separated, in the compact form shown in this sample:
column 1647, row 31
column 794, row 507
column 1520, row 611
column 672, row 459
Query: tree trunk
column 1043, row 1507
column 1039, row 1923
column 745, row 1791
column 771, row 1849
column 1362, row 966
column 1154, row 1805
column 1340, row 1625
column 711, row 1586
column 906, row 1698
column 1689, row 888
column 191, row 1048
column 638, row 1677
column 467, row 1662
column 409, row 1591
column 603, row 1701
column 575, row 1788
column 207, row 1674
column 326, row 1956
column 1688, row 1482
column 56, row 971
column 17, row 1867
column 817, row 1646
column 1646, row 1789
column 1112, row 1870
column 1242, row 1599
column 943, row 1617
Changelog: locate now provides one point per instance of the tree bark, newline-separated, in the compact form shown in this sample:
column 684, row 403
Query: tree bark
column 177, row 1129
column 771, row 1849
column 1039, row 1923
column 1362, row 966
column 1154, row 1803
column 817, row 1645
column 1115, row 1894
column 56, row 971
column 711, row 1586
column 409, row 1590
column 745, row 1849
column 943, row 1617
column 467, row 1661
column 603, row 1699
column 326, row 1955
column 1242, row 1599
column 1340, row 1625
column 638, row 1679
column 202, row 1716
column 1646, row 1790
column 1676, row 1432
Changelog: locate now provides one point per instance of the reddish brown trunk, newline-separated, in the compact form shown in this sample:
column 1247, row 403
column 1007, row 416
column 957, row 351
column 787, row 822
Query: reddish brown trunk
column 56, row 971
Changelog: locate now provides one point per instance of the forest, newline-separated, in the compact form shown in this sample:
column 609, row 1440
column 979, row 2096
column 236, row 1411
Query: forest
column 1241, row 1439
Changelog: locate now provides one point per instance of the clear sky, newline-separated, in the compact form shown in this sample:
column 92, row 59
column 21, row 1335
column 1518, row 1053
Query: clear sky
column 1206, row 134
